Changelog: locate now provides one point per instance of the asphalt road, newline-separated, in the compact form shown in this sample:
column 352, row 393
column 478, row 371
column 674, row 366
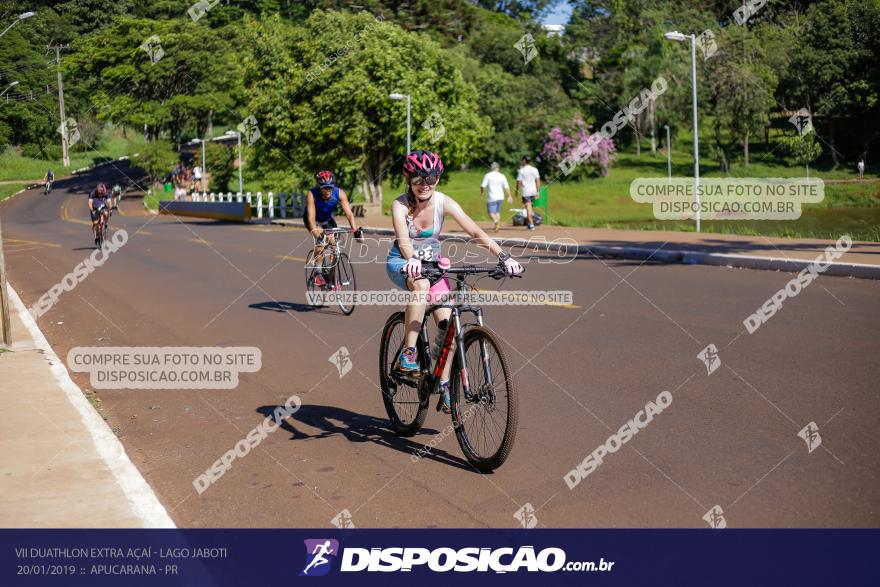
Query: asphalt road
column 728, row 439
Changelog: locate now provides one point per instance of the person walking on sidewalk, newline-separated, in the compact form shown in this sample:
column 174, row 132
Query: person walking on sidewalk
column 496, row 184
column 528, row 182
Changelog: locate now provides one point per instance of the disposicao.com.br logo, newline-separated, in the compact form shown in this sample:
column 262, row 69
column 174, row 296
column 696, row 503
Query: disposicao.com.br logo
column 442, row 560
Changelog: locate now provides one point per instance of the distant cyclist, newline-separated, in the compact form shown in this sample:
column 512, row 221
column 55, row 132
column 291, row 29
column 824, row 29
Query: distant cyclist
column 100, row 203
column 318, row 215
column 48, row 179
column 418, row 217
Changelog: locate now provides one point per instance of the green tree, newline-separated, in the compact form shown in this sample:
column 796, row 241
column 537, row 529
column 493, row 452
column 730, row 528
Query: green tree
column 333, row 108
column 738, row 85
column 803, row 148
column 189, row 75
column 156, row 158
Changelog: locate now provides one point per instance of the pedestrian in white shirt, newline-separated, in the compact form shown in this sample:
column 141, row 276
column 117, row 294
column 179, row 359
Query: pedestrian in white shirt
column 197, row 175
column 861, row 169
column 528, row 182
column 495, row 183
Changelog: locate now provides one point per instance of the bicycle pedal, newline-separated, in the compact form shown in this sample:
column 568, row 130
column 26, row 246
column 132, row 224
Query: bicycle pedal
column 412, row 380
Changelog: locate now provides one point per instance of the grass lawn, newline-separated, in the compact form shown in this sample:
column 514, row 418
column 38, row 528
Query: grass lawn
column 852, row 208
column 7, row 189
column 155, row 195
column 15, row 166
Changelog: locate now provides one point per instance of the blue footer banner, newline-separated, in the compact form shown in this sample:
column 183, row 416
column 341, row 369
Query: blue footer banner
column 436, row 557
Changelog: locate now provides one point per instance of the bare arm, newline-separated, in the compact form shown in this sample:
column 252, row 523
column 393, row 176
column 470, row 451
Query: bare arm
column 310, row 211
column 470, row 227
column 398, row 219
column 346, row 208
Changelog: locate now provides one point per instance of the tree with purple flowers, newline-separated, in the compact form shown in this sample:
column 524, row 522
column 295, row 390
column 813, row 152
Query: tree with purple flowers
column 570, row 140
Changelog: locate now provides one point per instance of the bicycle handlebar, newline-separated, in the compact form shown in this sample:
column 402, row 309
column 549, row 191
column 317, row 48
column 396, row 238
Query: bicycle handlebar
column 493, row 271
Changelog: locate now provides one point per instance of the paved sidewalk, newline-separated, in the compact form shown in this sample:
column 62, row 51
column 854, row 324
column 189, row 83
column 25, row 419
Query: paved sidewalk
column 752, row 252
column 61, row 465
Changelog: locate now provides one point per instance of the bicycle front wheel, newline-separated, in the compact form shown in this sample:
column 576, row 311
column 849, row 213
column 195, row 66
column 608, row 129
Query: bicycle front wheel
column 402, row 402
column 344, row 283
column 312, row 271
column 485, row 414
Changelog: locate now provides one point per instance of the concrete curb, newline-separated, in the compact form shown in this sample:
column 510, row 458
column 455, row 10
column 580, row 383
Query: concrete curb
column 663, row 255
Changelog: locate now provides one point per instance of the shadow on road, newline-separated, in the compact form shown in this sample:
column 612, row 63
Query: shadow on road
column 333, row 421
column 276, row 306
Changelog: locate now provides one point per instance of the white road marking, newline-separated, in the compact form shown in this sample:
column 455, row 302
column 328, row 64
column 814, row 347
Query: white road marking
column 144, row 503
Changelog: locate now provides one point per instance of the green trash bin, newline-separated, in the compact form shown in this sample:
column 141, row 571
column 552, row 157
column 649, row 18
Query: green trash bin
column 169, row 187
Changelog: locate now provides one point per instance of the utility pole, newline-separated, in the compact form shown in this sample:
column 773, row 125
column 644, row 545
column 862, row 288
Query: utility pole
column 64, row 153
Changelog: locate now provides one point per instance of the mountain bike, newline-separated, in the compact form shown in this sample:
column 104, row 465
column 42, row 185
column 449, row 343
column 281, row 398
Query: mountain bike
column 334, row 274
column 483, row 396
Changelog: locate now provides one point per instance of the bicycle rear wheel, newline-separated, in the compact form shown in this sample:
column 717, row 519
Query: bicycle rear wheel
column 344, row 283
column 484, row 418
column 405, row 409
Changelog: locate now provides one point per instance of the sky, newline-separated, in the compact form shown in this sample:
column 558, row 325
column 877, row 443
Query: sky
column 559, row 15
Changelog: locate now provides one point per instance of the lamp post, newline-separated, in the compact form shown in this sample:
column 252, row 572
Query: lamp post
column 677, row 36
column 238, row 135
column 408, row 98
column 15, row 83
column 668, row 153
column 20, row 18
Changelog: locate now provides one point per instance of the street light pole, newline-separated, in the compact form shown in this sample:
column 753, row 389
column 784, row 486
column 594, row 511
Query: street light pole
column 15, row 83
column 5, row 325
column 408, row 116
column 397, row 96
column 240, row 183
column 668, row 153
column 20, row 18
column 677, row 36
column 696, row 129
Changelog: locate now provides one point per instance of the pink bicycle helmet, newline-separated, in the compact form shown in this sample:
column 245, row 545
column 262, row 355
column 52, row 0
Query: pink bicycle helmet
column 423, row 163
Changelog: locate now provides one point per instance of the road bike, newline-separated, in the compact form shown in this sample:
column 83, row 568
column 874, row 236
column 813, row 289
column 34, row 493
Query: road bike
column 48, row 187
column 483, row 396
column 334, row 274
column 101, row 233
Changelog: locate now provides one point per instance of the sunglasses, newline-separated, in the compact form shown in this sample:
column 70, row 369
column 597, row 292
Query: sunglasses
column 433, row 180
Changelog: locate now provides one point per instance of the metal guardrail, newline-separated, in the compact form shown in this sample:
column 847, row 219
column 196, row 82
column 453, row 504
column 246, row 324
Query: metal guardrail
column 269, row 205
column 232, row 211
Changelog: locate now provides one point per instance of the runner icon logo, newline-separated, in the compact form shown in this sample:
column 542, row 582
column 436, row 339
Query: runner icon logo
column 526, row 516
column 715, row 518
column 710, row 358
column 810, row 434
column 320, row 554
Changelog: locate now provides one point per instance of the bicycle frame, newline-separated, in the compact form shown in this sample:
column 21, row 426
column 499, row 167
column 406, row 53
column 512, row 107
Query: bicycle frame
column 454, row 332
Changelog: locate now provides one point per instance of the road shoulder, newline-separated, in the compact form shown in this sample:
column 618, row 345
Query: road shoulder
column 64, row 467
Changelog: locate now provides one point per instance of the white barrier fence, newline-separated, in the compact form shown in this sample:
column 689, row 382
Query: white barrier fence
column 269, row 205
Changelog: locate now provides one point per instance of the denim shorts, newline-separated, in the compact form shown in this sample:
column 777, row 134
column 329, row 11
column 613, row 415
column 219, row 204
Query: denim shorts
column 494, row 206
column 393, row 264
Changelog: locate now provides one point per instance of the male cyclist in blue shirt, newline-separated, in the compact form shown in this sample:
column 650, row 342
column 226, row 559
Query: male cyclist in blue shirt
column 320, row 205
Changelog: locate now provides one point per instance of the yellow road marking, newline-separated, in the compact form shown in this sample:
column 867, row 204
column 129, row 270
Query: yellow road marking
column 288, row 258
column 20, row 241
column 201, row 241
column 65, row 215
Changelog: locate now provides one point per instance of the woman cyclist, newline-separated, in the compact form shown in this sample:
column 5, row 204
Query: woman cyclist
column 418, row 216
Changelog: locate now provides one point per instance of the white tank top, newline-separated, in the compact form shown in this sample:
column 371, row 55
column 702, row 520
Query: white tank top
column 426, row 243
